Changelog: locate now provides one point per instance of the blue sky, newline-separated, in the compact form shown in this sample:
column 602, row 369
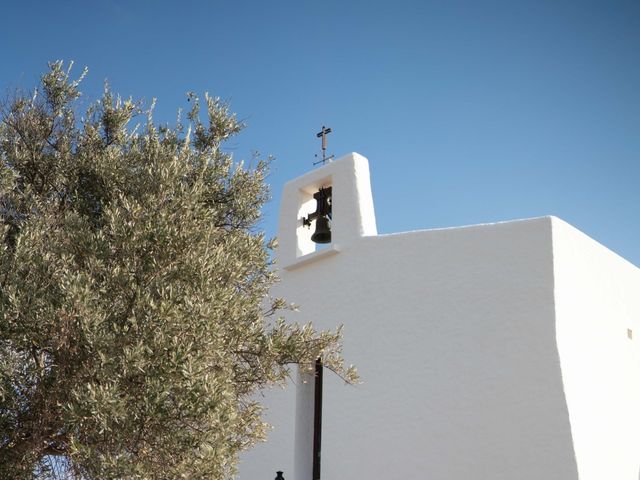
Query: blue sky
column 469, row 111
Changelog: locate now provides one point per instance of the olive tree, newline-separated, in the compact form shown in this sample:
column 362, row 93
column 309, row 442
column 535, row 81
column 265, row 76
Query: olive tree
column 136, row 325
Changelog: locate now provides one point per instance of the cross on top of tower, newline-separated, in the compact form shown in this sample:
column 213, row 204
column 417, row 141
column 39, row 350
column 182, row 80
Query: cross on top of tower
column 323, row 134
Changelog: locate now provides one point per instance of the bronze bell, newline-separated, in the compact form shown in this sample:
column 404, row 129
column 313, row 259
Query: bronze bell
column 323, row 232
column 322, row 215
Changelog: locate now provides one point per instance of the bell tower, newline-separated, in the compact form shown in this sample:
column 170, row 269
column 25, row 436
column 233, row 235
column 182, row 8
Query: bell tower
column 331, row 206
column 322, row 213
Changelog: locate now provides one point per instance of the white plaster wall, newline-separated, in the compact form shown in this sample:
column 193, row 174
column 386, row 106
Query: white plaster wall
column 465, row 374
column 263, row 460
column 597, row 303
column 454, row 334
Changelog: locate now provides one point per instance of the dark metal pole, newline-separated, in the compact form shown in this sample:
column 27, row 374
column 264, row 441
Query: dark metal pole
column 317, row 421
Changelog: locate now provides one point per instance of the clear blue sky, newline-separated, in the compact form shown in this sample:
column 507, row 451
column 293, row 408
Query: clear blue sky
column 469, row 111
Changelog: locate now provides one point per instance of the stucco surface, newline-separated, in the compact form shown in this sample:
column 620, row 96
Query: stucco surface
column 598, row 312
column 465, row 374
column 454, row 334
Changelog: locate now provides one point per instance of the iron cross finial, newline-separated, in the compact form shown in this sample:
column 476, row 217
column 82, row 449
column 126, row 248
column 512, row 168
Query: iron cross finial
column 323, row 134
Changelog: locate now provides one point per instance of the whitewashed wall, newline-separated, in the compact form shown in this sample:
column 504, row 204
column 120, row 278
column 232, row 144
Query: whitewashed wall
column 598, row 330
column 454, row 334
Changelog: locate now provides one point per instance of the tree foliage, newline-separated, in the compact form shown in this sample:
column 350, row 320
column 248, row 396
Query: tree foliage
column 136, row 326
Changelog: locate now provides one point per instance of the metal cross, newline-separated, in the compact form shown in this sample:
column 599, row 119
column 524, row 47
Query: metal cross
column 323, row 134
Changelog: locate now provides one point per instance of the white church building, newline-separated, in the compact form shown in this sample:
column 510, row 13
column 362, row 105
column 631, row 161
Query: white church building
column 505, row 351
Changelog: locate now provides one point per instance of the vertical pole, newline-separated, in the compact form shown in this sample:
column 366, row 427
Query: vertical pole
column 317, row 421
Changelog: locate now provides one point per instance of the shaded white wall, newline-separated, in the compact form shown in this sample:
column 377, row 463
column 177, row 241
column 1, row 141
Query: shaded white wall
column 453, row 332
column 263, row 460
